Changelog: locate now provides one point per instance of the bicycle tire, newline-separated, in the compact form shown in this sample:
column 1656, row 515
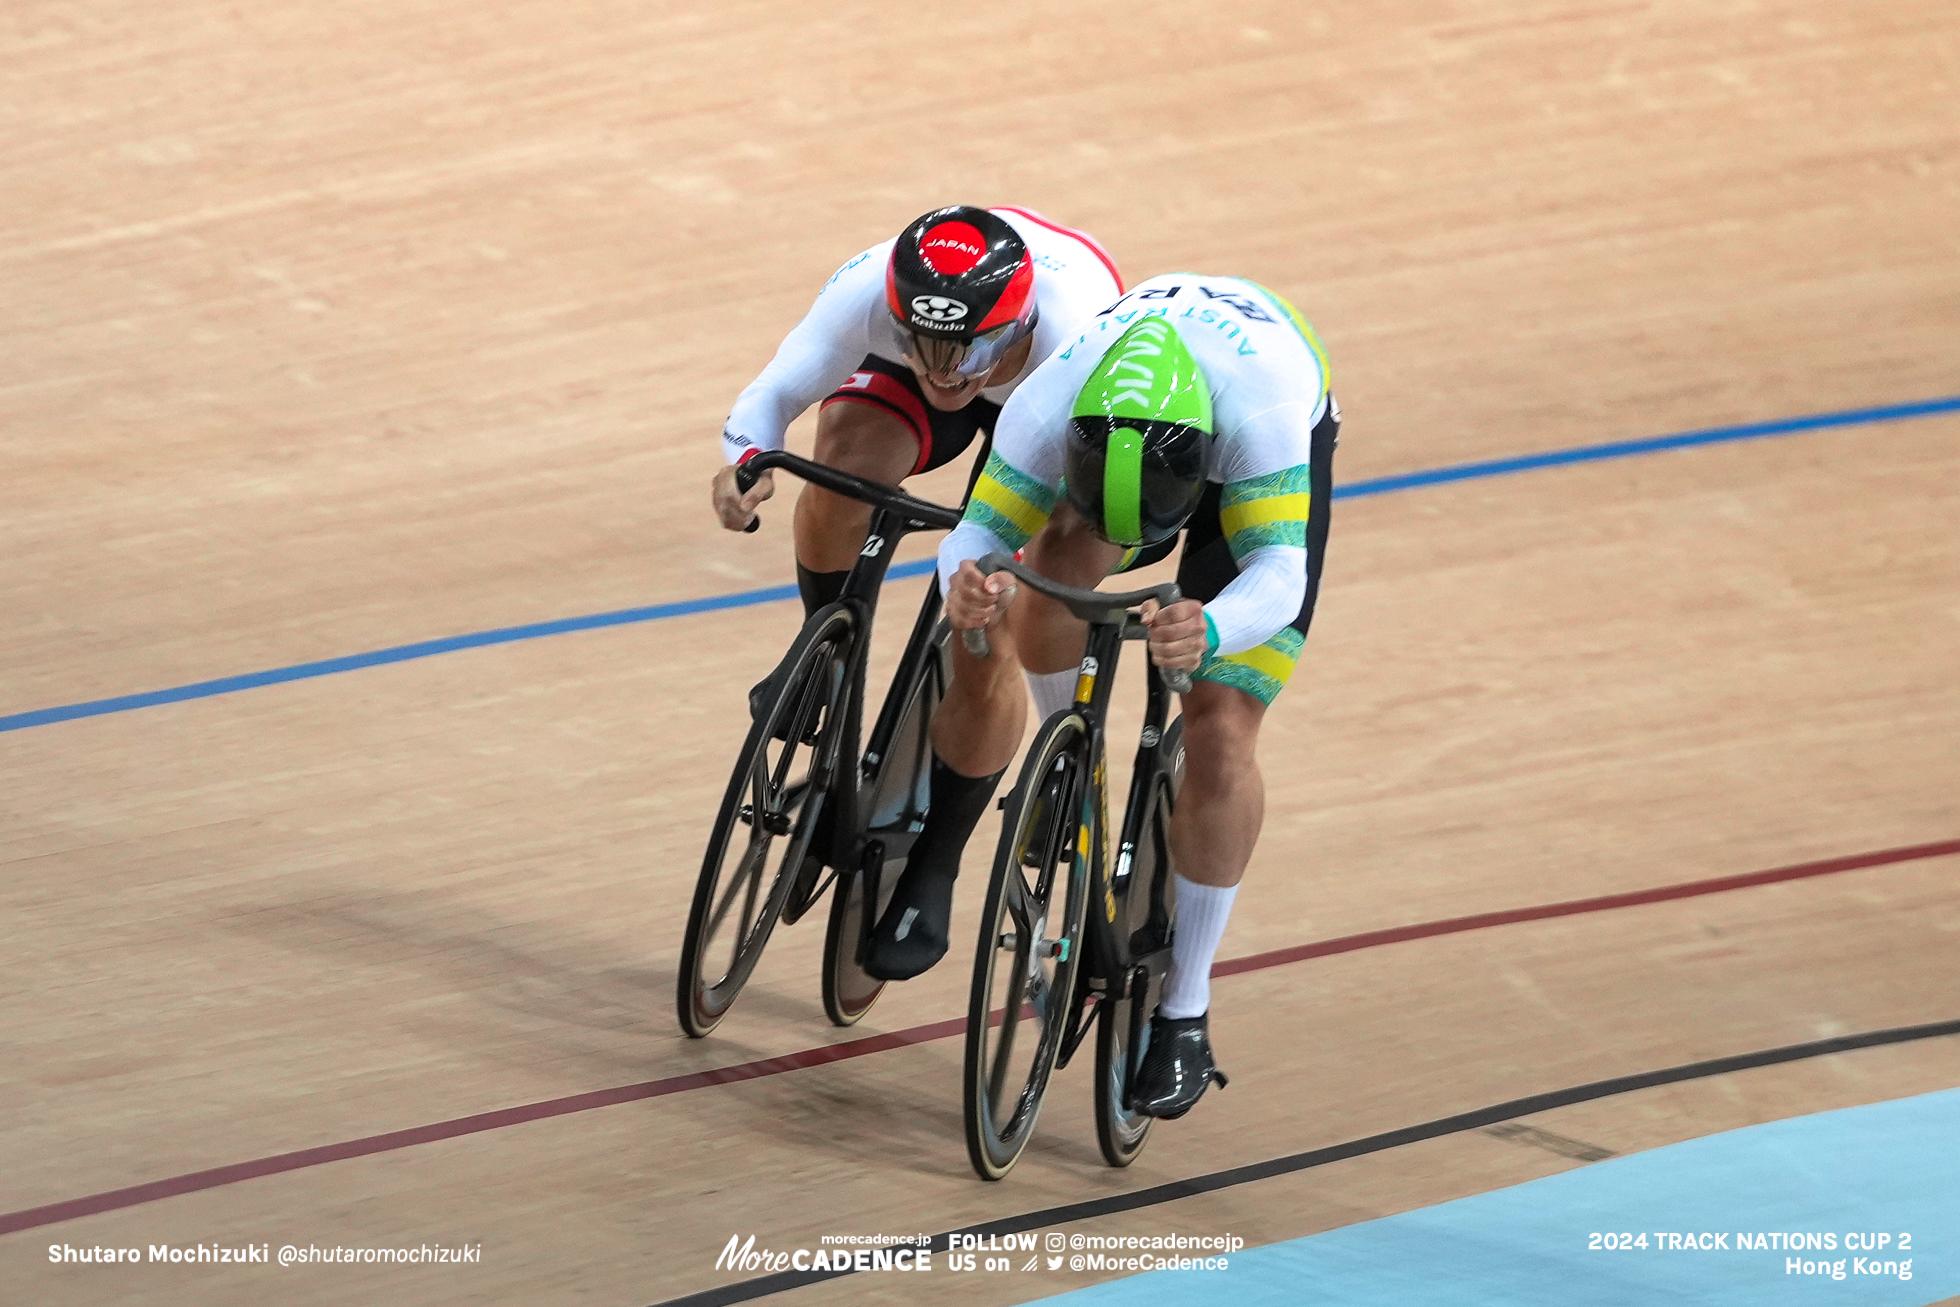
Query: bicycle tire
column 1121, row 1133
column 1040, row 980
column 772, row 802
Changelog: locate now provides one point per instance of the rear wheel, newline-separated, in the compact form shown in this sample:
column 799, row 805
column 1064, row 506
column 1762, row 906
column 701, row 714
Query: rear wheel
column 1029, row 947
column 1146, row 906
column 848, row 992
column 765, row 824
column 893, row 808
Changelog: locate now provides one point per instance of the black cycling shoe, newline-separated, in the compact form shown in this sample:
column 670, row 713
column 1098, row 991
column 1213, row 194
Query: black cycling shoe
column 911, row 936
column 1177, row 1068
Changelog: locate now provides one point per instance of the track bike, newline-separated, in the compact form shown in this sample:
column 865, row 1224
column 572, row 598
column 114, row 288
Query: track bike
column 1074, row 937
column 803, row 797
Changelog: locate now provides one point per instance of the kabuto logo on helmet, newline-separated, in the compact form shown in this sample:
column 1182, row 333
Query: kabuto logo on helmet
column 938, row 308
column 950, row 248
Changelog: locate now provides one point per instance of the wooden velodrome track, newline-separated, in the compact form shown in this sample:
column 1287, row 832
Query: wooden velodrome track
column 326, row 329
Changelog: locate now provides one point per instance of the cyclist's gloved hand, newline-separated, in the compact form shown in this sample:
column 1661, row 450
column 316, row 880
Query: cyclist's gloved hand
column 976, row 600
column 1177, row 633
column 735, row 509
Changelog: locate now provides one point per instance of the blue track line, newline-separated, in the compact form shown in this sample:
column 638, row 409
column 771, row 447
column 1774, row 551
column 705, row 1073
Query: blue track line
column 1629, row 448
column 771, row 594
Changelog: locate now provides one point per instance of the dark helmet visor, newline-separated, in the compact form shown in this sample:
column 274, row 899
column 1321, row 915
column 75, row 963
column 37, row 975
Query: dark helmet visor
column 949, row 356
column 1169, row 467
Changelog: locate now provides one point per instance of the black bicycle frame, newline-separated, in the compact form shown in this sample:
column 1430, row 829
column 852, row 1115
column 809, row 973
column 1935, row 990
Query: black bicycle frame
column 1113, row 958
column 894, row 515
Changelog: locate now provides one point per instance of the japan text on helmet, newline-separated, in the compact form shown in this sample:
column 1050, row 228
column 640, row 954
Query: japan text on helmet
column 1139, row 439
column 960, row 291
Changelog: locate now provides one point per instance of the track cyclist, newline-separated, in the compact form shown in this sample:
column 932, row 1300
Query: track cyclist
column 912, row 346
column 1194, row 403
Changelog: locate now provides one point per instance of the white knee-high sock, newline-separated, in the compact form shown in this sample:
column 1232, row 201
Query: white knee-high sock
column 1052, row 691
column 1202, row 911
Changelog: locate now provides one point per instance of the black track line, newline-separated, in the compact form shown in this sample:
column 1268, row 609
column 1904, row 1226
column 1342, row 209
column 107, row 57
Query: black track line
column 763, row 1286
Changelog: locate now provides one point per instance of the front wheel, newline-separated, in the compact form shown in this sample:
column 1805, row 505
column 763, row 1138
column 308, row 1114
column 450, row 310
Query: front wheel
column 765, row 824
column 1029, row 948
column 1146, row 906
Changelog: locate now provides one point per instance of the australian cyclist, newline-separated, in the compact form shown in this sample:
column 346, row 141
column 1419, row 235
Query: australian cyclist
column 1197, row 404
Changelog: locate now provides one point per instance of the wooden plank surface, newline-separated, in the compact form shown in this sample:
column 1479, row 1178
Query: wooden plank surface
column 333, row 329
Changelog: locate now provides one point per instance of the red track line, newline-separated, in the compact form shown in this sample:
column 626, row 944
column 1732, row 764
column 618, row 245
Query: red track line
column 1605, row 903
column 468, row 1125
column 195, row 1181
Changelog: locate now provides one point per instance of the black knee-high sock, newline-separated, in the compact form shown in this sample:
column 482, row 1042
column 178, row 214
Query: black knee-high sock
column 957, row 804
column 818, row 588
column 911, row 936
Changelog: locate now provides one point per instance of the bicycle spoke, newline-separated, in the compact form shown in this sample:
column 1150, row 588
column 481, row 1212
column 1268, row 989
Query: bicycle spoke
column 1028, row 985
column 792, row 793
column 1016, row 903
column 748, row 902
column 1056, row 854
column 801, row 720
column 748, row 874
column 779, row 783
column 759, row 794
column 1010, row 1020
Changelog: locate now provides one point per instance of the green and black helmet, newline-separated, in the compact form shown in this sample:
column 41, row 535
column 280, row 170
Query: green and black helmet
column 1139, row 442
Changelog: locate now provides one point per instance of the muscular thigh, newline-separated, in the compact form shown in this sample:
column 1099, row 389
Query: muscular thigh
column 884, row 397
column 866, row 441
